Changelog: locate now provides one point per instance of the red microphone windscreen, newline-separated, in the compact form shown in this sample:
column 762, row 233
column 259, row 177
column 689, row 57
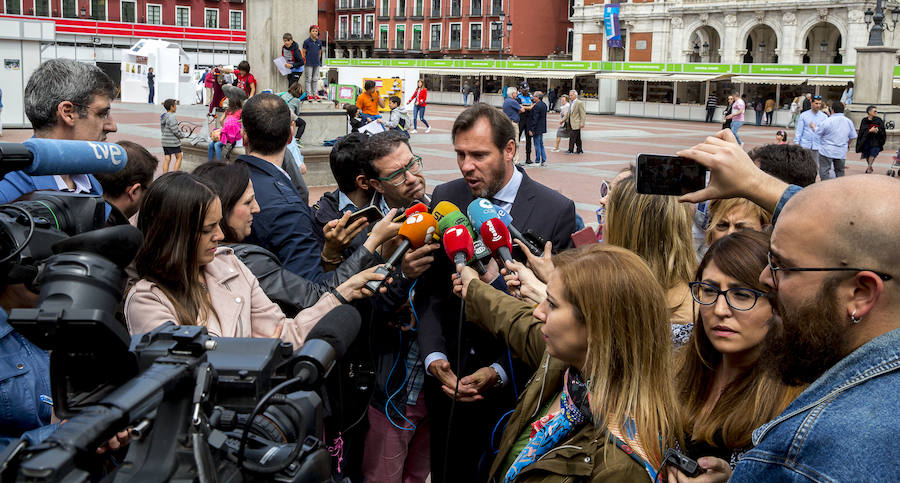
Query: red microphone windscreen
column 494, row 234
column 418, row 228
column 457, row 239
column 416, row 208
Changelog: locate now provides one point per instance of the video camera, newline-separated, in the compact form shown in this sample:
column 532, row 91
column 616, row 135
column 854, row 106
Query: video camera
column 200, row 408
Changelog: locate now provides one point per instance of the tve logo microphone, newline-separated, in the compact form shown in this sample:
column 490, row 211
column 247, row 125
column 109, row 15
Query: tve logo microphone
column 108, row 151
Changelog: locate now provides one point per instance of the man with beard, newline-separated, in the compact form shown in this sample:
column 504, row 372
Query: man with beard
column 836, row 321
column 485, row 144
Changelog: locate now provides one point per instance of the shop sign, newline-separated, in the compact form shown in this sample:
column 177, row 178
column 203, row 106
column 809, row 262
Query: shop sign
column 643, row 67
column 776, row 69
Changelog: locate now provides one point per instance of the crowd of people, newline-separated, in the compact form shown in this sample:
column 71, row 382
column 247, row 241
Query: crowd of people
column 734, row 325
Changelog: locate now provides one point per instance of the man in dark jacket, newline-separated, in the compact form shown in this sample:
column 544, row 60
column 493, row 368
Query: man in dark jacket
column 293, row 58
column 537, row 127
column 484, row 140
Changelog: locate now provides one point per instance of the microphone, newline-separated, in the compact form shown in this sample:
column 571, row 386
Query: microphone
column 449, row 215
column 496, row 237
column 458, row 244
column 416, row 208
column 482, row 210
column 326, row 343
column 416, row 231
column 39, row 156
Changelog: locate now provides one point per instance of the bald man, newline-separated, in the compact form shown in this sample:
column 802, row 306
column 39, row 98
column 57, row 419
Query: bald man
column 836, row 321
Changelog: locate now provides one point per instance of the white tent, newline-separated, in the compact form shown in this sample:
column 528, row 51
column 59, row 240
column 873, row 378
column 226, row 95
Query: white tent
column 171, row 66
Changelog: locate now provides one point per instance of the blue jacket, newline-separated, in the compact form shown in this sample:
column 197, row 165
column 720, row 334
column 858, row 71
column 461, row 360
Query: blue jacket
column 284, row 225
column 17, row 183
column 25, row 403
column 511, row 108
column 537, row 122
column 842, row 427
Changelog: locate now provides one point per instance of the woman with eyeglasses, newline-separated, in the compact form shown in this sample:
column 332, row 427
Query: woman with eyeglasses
column 186, row 277
column 725, row 391
column 871, row 138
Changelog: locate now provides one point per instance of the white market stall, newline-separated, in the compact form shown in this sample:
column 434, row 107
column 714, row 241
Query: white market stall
column 170, row 64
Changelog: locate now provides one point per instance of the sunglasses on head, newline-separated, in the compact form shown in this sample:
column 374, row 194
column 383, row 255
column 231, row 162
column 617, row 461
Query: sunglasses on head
column 817, row 98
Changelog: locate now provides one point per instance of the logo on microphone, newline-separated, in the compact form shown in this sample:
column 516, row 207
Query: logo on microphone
column 495, row 237
column 486, row 204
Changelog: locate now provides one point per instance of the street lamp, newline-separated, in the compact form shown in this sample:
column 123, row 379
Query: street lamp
column 876, row 19
column 762, row 46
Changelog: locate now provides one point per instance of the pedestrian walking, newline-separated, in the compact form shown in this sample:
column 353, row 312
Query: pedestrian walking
column 576, row 118
column 151, row 84
column 806, row 135
column 759, row 106
column 562, row 130
column 737, row 115
column 726, row 119
column 464, row 90
column 552, row 96
column 420, row 99
column 871, row 137
column 835, row 133
column 476, row 92
column 711, row 103
column 170, row 136
column 795, row 112
column 312, row 53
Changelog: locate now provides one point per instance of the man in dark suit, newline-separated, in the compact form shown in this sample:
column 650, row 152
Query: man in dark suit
column 484, row 140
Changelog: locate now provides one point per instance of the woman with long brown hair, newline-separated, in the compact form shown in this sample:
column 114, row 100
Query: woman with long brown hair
column 601, row 404
column 725, row 392
column 187, row 278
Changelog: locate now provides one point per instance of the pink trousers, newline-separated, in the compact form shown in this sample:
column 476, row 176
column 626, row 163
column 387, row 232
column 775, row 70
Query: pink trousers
column 396, row 455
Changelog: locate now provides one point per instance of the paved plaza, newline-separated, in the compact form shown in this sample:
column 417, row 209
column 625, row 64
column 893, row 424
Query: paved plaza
column 610, row 143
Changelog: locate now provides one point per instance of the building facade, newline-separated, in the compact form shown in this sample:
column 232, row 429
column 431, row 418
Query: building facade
column 728, row 31
column 96, row 31
column 453, row 28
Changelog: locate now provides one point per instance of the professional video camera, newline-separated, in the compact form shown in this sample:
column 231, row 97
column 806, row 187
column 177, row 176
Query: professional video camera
column 200, row 408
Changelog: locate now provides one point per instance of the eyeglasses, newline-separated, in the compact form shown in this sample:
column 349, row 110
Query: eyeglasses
column 604, row 189
column 738, row 298
column 397, row 178
column 102, row 113
column 773, row 268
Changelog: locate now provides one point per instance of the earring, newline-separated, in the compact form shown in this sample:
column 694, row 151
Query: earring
column 854, row 319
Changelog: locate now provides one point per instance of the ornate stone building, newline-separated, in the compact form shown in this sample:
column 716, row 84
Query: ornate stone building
column 728, row 31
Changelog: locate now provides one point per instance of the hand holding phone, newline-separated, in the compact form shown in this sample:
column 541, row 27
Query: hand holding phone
column 659, row 174
column 682, row 463
column 371, row 213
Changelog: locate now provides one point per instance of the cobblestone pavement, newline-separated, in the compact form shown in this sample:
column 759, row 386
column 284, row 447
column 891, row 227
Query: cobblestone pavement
column 610, row 144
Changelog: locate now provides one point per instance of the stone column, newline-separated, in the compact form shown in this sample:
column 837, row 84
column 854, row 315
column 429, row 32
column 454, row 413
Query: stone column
column 730, row 36
column 873, row 85
column 267, row 21
column 675, row 53
column 788, row 47
column 857, row 33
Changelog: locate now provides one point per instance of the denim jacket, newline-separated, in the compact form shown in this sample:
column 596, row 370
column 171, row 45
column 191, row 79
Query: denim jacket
column 842, row 428
column 25, row 403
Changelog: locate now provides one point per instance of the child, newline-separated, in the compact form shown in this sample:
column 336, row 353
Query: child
column 396, row 121
column 780, row 137
column 245, row 79
column 231, row 127
column 353, row 114
column 170, row 135
column 293, row 58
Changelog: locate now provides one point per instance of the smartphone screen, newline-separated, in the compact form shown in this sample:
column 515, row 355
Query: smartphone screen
column 659, row 174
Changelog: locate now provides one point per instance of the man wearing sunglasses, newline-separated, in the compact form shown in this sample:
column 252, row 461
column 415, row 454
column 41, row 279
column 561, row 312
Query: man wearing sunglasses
column 836, row 320
column 70, row 100
column 805, row 136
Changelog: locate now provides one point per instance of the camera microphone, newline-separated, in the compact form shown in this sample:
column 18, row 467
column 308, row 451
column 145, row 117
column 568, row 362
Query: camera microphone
column 482, row 210
column 40, row 156
column 496, row 237
column 326, row 343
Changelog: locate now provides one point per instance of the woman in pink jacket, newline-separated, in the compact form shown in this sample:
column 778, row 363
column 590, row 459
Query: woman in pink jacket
column 421, row 98
column 187, row 278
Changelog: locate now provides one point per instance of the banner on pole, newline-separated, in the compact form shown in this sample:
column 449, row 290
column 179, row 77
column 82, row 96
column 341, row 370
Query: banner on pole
column 611, row 23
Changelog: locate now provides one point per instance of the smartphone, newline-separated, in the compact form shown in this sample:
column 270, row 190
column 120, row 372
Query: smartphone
column 658, row 174
column 682, row 463
column 370, row 213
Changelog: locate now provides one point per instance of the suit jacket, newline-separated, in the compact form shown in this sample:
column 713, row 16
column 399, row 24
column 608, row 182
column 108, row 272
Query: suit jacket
column 536, row 208
column 576, row 115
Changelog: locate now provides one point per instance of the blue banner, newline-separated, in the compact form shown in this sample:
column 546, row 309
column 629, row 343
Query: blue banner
column 611, row 22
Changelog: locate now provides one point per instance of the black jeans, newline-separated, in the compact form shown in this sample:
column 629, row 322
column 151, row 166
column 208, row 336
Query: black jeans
column 769, row 118
column 294, row 77
column 575, row 141
column 710, row 113
column 523, row 129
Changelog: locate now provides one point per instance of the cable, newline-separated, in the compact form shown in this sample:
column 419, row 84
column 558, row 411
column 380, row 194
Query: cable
column 402, row 385
column 256, row 410
column 413, row 307
column 512, row 372
column 462, row 317
column 494, row 432
column 24, row 244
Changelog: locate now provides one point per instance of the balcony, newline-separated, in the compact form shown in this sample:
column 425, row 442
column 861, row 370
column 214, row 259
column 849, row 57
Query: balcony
column 356, row 5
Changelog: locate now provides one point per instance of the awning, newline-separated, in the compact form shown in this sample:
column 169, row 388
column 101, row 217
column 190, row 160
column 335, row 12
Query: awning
column 695, row 77
column 444, row 72
column 828, row 81
column 761, row 79
column 635, row 76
